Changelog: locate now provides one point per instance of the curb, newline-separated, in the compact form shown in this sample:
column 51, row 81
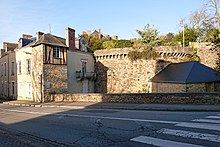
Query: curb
column 110, row 107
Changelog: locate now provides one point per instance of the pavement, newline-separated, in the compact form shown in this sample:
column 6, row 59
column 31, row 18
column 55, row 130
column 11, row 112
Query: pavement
column 124, row 106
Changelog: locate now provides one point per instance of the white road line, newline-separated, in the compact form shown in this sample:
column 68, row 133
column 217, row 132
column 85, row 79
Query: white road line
column 206, row 126
column 161, row 142
column 92, row 116
column 215, row 117
column 188, row 134
column 207, row 120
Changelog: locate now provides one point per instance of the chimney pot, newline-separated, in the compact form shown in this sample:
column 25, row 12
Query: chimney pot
column 70, row 38
column 99, row 34
column 26, row 36
column 38, row 35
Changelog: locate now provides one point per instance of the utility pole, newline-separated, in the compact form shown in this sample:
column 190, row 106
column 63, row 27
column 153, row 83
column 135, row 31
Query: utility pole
column 49, row 28
column 182, row 23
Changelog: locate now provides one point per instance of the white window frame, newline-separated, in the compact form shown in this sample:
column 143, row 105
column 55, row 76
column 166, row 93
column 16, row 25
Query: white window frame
column 28, row 66
column 19, row 88
column 19, row 67
column 56, row 52
column 28, row 89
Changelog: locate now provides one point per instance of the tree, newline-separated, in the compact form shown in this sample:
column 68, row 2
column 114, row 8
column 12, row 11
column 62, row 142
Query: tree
column 149, row 35
column 190, row 36
column 93, row 42
column 215, row 4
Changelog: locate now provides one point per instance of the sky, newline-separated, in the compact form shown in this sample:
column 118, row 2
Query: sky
column 113, row 17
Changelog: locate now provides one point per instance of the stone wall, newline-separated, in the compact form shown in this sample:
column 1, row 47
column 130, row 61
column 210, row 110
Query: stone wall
column 176, row 87
column 116, row 73
column 207, row 56
column 55, row 79
column 142, row 98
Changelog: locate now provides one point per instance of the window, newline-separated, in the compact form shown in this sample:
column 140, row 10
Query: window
column 28, row 66
column 83, row 66
column 5, row 88
column 19, row 67
column 12, row 68
column 56, row 52
column 2, row 87
column 4, row 69
column 28, row 89
column 19, row 89
column 12, row 92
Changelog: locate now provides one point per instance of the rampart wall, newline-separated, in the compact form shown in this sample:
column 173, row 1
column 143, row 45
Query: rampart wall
column 116, row 73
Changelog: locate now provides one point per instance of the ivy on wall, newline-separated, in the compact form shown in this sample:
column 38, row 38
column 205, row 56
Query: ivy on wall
column 146, row 53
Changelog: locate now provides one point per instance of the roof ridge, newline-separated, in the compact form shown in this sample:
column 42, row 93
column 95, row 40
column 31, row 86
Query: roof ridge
column 193, row 63
column 56, row 38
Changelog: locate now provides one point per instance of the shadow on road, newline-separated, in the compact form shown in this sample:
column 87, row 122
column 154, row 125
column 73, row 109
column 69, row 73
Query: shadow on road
column 3, row 100
column 72, row 127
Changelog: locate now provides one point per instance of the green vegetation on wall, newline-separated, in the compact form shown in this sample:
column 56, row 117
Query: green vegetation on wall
column 193, row 57
column 147, row 53
column 116, row 44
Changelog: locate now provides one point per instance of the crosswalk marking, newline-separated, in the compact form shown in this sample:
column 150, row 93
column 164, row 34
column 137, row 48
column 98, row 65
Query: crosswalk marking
column 161, row 142
column 207, row 120
column 215, row 117
column 206, row 126
column 188, row 134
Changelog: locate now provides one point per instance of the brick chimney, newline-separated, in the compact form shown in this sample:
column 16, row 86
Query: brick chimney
column 84, row 33
column 9, row 46
column 99, row 34
column 26, row 36
column 38, row 35
column 70, row 38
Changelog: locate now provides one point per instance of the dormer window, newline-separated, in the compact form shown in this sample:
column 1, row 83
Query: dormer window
column 56, row 52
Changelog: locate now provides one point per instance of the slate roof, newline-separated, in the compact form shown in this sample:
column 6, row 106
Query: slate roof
column 51, row 40
column 186, row 72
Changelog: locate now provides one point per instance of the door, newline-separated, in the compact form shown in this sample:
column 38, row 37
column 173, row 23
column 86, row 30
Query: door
column 85, row 86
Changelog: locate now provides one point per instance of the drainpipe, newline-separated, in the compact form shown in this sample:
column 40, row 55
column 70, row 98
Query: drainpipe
column 41, row 88
column 8, row 78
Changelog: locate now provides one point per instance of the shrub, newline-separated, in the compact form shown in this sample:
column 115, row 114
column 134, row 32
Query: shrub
column 147, row 53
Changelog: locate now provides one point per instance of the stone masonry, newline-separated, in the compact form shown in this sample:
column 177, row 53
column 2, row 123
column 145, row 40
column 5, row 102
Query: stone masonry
column 118, row 74
column 55, row 79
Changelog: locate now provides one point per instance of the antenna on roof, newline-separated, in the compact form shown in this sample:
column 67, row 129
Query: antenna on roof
column 49, row 28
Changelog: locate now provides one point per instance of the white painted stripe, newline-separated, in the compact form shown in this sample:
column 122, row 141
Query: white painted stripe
column 207, row 120
column 215, row 117
column 161, row 142
column 92, row 116
column 188, row 134
column 206, row 126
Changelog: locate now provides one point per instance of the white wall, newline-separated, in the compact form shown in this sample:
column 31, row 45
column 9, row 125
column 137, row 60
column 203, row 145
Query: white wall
column 74, row 63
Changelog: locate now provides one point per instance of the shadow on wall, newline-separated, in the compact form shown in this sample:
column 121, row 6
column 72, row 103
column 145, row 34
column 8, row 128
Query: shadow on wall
column 160, row 64
column 101, row 80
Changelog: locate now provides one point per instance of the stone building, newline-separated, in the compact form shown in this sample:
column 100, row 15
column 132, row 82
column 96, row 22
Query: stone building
column 7, row 71
column 38, row 66
column 186, row 77
column 41, row 67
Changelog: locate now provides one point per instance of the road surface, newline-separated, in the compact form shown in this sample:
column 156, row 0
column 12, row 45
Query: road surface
column 36, row 126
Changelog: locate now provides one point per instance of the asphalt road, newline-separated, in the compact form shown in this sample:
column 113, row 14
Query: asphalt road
column 33, row 126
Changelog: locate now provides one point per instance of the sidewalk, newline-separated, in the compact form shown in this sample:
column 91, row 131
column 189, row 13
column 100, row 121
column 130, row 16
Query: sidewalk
column 89, row 105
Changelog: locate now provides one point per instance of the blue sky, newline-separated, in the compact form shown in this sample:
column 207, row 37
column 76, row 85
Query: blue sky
column 114, row 17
